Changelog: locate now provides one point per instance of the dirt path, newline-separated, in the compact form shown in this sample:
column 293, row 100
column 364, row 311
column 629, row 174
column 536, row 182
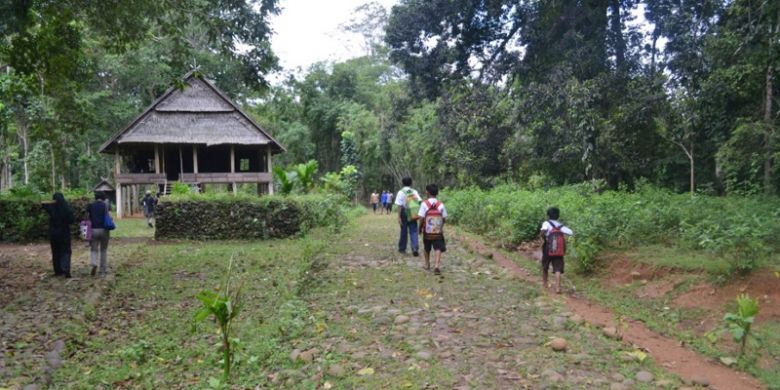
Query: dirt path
column 668, row 352
column 475, row 328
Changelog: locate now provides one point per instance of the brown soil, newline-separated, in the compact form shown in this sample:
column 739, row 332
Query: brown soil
column 22, row 266
column 668, row 352
column 620, row 270
column 762, row 284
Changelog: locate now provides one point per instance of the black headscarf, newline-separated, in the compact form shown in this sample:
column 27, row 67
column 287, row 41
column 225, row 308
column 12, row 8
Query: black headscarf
column 60, row 216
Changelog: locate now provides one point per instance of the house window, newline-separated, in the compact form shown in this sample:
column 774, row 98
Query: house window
column 243, row 165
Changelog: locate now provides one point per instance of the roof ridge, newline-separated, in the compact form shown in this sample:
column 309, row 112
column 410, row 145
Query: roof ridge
column 192, row 74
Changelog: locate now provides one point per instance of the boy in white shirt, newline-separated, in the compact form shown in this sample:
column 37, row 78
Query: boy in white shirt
column 552, row 232
column 433, row 215
column 408, row 202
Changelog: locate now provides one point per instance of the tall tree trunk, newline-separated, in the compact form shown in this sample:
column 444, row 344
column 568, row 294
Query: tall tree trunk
column 769, row 125
column 769, row 129
column 53, row 168
column 24, row 138
column 653, row 52
column 616, row 30
column 693, row 170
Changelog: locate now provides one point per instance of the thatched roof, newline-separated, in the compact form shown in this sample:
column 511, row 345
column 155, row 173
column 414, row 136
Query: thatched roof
column 104, row 185
column 197, row 114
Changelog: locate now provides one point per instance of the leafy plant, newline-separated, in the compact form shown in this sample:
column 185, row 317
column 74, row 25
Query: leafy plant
column 332, row 181
column 740, row 323
column 224, row 306
column 305, row 174
column 285, row 179
column 180, row 189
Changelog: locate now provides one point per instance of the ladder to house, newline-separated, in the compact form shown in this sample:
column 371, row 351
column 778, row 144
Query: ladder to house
column 194, row 187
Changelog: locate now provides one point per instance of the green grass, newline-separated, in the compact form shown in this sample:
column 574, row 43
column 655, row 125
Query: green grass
column 146, row 338
column 678, row 258
column 132, row 228
column 337, row 292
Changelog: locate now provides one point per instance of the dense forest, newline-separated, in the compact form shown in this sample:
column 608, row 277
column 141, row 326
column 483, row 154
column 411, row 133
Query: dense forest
column 681, row 94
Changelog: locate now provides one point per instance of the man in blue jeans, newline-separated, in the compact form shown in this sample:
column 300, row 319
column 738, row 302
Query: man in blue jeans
column 408, row 201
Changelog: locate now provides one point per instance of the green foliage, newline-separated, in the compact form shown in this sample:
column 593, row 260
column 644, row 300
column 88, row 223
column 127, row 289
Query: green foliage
column 180, row 189
column 224, row 306
column 305, row 175
column 742, row 229
column 224, row 216
column 285, row 180
column 138, row 352
column 22, row 219
column 740, row 322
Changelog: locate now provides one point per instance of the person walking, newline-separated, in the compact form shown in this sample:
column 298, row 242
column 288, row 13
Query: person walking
column 60, row 219
column 374, row 200
column 389, row 203
column 98, row 246
column 408, row 201
column 149, row 203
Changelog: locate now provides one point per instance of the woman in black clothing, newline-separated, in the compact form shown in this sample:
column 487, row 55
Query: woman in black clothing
column 60, row 219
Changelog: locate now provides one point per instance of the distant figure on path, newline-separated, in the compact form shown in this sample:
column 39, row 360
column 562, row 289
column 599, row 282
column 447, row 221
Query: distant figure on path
column 389, row 202
column 408, row 201
column 554, row 246
column 375, row 200
column 60, row 219
column 149, row 203
column 433, row 215
column 98, row 246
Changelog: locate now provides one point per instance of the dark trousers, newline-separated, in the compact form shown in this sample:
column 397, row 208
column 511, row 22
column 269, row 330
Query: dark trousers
column 409, row 231
column 60, row 255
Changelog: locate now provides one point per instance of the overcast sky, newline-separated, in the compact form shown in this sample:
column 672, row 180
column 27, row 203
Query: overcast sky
column 307, row 31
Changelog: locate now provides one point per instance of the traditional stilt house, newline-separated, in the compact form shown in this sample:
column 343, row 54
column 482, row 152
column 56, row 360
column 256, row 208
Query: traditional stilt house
column 191, row 134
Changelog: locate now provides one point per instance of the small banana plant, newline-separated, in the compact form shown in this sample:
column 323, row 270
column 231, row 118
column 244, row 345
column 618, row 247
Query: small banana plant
column 739, row 323
column 224, row 305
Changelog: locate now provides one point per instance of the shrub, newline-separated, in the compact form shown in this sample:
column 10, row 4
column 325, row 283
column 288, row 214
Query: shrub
column 743, row 229
column 22, row 219
column 209, row 217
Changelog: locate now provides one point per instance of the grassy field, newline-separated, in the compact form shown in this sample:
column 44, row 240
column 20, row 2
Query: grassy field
column 135, row 227
column 351, row 310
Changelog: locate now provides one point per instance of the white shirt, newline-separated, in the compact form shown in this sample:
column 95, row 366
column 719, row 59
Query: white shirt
column 400, row 199
column 546, row 228
column 424, row 208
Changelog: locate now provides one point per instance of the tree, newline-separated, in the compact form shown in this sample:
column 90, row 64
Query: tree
column 369, row 22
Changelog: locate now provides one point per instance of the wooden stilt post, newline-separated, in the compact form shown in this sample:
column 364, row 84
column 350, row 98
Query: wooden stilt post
column 233, row 166
column 157, row 159
column 270, row 169
column 134, row 200
column 195, row 158
column 117, row 172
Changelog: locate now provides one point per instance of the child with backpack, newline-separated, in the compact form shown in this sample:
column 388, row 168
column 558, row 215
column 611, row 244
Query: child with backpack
column 554, row 246
column 433, row 215
column 408, row 201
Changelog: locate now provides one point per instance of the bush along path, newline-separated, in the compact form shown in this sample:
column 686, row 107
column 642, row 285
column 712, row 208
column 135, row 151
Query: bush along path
column 693, row 368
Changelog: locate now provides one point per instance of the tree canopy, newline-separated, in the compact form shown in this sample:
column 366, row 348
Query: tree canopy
column 682, row 94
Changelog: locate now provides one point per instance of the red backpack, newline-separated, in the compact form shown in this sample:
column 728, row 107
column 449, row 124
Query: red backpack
column 556, row 241
column 433, row 222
